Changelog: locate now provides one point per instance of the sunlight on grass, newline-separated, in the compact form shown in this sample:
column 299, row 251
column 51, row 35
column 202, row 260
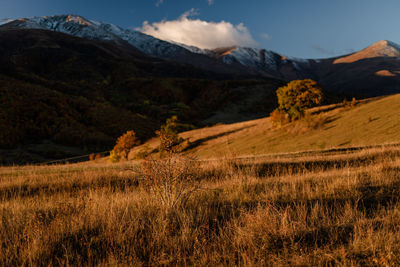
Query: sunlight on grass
column 314, row 209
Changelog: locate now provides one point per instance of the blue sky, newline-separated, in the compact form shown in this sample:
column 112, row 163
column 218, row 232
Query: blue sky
column 300, row 28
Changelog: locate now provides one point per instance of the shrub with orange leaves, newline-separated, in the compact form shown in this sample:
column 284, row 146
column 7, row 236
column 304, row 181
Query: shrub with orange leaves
column 125, row 143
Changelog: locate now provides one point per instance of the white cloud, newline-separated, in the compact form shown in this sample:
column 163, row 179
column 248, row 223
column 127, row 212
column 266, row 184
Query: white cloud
column 199, row 33
column 265, row 36
column 210, row 2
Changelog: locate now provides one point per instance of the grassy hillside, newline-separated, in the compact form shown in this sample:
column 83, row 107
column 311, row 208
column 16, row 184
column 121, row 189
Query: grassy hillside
column 371, row 122
column 318, row 210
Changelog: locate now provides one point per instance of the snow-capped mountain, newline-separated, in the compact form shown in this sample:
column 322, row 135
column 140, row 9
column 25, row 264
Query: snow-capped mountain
column 242, row 60
column 95, row 30
column 337, row 73
column 260, row 60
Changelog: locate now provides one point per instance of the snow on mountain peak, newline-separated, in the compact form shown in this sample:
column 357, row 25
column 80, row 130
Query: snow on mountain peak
column 78, row 19
column 385, row 48
column 253, row 58
column 90, row 29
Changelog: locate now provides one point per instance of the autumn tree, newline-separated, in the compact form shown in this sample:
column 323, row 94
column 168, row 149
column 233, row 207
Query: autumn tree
column 298, row 95
column 168, row 134
column 124, row 144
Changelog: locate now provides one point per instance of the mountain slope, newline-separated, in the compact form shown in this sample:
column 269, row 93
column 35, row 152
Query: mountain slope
column 372, row 122
column 94, row 30
column 63, row 90
column 373, row 71
column 382, row 48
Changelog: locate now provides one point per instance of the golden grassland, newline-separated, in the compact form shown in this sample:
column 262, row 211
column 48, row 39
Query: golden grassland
column 371, row 122
column 318, row 208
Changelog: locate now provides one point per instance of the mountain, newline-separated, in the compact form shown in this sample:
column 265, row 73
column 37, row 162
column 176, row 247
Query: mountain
column 382, row 48
column 62, row 95
column 370, row 72
column 373, row 71
column 94, row 30
column 260, row 61
column 243, row 61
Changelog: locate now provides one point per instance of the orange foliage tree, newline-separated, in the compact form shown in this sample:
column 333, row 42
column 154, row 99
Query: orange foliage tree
column 125, row 143
column 298, row 95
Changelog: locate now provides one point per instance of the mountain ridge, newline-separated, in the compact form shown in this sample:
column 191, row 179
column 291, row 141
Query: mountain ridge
column 91, row 29
column 382, row 48
column 244, row 61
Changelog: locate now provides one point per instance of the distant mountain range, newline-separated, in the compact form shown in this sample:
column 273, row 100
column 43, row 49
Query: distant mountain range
column 370, row 72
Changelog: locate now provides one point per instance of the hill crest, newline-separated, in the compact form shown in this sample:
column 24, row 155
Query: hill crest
column 382, row 48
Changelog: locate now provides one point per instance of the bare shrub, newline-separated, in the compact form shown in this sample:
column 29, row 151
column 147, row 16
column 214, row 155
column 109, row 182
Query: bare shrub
column 172, row 180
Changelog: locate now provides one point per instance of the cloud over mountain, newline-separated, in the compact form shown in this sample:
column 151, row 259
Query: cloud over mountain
column 202, row 34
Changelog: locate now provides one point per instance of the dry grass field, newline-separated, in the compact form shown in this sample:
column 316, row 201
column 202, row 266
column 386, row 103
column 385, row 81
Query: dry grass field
column 319, row 208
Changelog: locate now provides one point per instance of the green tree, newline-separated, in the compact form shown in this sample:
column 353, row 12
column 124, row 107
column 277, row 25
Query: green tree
column 298, row 95
column 124, row 144
column 168, row 134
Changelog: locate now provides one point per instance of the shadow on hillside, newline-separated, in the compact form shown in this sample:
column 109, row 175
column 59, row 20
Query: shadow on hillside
column 297, row 167
column 201, row 141
column 114, row 184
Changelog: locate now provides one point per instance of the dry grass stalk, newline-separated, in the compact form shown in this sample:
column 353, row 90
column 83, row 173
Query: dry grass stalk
column 172, row 180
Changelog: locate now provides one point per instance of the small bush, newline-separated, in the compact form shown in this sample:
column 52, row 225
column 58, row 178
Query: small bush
column 279, row 118
column 169, row 139
column 114, row 157
column 125, row 143
column 353, row 102
column 172, row 180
